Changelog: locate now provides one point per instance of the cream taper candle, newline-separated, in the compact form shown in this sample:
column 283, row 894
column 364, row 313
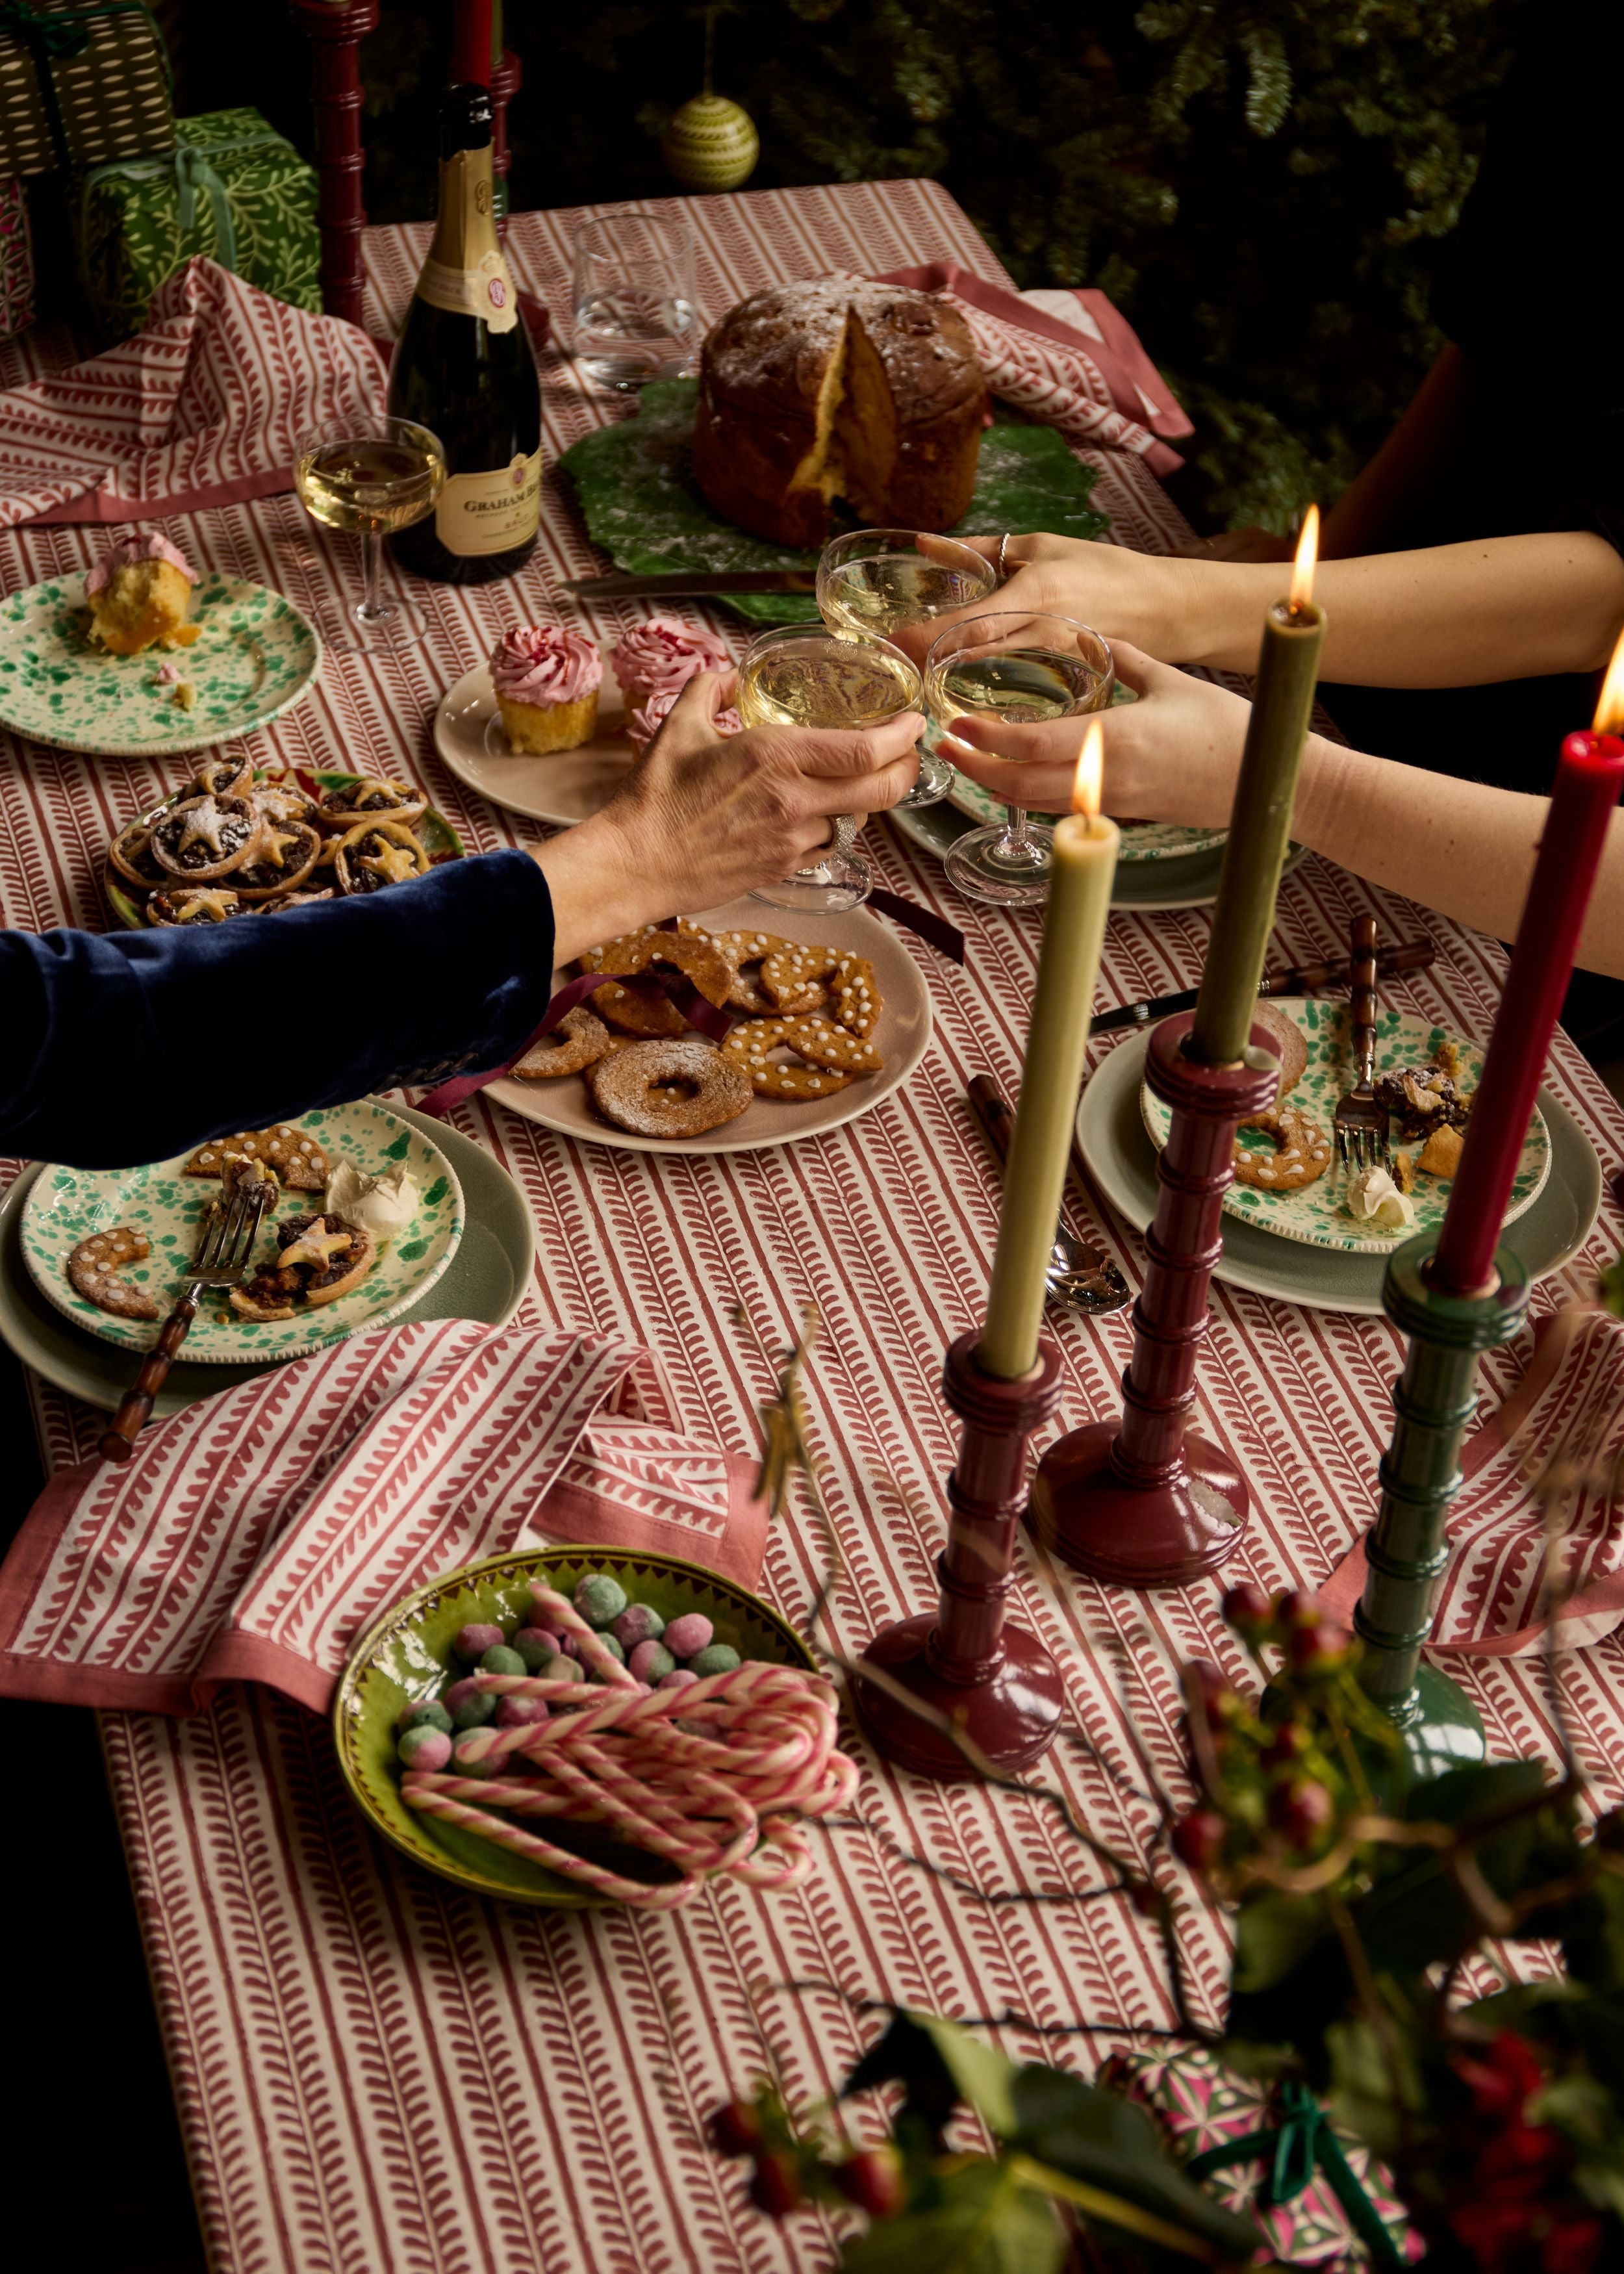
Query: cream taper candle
column 1080, row 899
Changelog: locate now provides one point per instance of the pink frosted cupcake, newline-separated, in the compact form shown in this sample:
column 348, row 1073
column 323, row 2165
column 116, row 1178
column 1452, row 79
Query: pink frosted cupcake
column 644, row 723
column 654, row 663
column 139, row 593
column 546, row 681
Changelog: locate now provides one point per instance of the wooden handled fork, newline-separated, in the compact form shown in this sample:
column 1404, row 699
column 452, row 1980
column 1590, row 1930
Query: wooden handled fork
column 224, row 1252
column 1361, row 1125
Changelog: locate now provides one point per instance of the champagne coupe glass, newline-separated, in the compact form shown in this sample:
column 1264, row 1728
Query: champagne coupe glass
column 873, row 582
column 800, row 677
column 633, row 296
column 1023, row 669
column 371, row 475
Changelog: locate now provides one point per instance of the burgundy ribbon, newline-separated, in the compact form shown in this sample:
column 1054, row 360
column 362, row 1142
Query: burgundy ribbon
column 945, row 938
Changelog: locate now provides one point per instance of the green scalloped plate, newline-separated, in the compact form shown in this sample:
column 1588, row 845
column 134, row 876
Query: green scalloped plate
column 402, row 1657
column 644, row 509
column 256, row 656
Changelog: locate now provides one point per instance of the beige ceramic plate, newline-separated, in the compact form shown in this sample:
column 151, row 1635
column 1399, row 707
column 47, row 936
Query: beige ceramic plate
column 902, row 1034
column 569, row 787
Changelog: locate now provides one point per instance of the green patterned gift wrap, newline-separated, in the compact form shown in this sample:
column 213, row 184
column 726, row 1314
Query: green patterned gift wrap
column 233, row 189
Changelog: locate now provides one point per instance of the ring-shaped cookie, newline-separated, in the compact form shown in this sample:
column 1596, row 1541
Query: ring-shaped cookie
column 793, row 978
column 855, row 999
column 578, row 1040
column 625, row 1087
column 95, row 1269
column 377, row 853
column 750, row 1045
column 1299, row 1155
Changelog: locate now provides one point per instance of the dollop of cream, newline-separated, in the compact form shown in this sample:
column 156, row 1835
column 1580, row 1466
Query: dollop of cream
column 545, row 664
column 644, row 723
column 381, row 1205
column 660, row 657
column 1374, row 1198
column 146, row 545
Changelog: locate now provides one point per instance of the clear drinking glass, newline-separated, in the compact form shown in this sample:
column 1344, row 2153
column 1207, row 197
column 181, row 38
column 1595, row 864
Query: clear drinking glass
column 370, row 475
column 1023, row 669
column 797, row 677
column 633, row 296
column 873, row 582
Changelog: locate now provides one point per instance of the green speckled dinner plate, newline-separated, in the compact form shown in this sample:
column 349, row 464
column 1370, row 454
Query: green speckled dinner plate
column 404, row 1656
column 67, row 1205
column 1316, row 1214
column 256, row 655
column 438, row 839
column 1141, row 841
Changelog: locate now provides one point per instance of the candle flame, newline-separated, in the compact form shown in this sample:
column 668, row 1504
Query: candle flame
column 1090, row 771
column 1610, row 707
column 1303, row 566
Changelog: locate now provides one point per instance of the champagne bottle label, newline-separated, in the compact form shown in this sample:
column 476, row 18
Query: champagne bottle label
column 491, row 512
column 466, row 272
column 486, row 290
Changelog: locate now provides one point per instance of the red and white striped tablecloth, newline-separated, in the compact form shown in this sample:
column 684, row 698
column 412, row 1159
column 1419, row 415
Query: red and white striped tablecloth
column 377, row 2073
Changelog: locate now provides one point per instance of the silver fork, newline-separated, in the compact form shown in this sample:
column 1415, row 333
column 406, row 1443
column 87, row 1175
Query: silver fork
column 1362, row 1126
column 224, row 1252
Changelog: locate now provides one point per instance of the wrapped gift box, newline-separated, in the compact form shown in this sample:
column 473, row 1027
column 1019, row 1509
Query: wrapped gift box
column 1320, row 2198
column 232, row 189
column 16, row 260
column 81, row 85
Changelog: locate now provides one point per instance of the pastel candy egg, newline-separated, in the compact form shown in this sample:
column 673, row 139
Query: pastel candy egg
column 467, row 1705
column 535, row 1645
column 678, row 1678
column 427, row 1714
column 650, row 1661
column 423, row 1748
column 473, row 1642
column 485, row 1765
column 638, row 1622
column 563, row 1669
column 499, row 1660
column 720, row 1658
column 685, row 1637
column 521, row 1713
column 599, row 1598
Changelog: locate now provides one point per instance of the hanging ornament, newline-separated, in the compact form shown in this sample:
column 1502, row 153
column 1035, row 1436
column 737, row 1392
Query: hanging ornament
column 710, row 143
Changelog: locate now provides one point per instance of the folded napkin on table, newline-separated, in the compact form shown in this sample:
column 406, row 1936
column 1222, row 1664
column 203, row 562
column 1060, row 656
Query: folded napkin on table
column 205, row 407
column 1068, row 357
column 1568, row 1408
column 253, row 1536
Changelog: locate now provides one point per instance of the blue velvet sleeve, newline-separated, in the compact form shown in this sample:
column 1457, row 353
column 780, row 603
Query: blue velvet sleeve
column 124, row 1048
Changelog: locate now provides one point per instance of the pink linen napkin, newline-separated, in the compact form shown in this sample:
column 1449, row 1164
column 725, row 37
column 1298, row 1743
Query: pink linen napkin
column 203, row 408
column 1568, row 1405
column 1068, row 357
column 253, row 1536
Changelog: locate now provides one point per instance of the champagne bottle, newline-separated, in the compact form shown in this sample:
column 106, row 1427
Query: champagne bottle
column 463, row 365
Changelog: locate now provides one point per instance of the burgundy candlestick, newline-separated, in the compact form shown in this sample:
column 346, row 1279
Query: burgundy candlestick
column 994, row 1680
column 1142, row 1500
column 336, row 32
column 506, row 77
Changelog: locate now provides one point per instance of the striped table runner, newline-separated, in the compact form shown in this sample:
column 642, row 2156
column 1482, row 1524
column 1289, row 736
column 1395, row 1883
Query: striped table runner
column 376, row 2073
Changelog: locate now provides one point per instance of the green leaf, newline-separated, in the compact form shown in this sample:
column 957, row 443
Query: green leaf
column 635, row 484
column 1613, row 1288
column 1369, row 2090
column 1114, row 2145
column 984, row 2221
column 1414, row 1917
column 984, row 2076
column 1273, row 1934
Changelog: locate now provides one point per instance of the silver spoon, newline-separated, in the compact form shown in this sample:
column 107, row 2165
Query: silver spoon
column 1078, row 1278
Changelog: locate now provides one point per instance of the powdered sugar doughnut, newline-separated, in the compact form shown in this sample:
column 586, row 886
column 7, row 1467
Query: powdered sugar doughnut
column 94, row 1268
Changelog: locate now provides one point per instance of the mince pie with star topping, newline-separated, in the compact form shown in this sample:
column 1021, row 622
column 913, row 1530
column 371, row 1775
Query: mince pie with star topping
column 204, row 837
column 319, row 1258
column 377, row 853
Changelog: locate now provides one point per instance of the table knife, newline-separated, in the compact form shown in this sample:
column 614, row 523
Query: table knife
column 626, row 586
column 1302, row 979
column 1078, row 1277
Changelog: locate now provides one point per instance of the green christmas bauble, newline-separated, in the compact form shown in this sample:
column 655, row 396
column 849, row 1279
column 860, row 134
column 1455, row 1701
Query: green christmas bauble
column 711, row 144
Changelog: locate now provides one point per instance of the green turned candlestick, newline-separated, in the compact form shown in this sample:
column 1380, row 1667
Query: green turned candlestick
column 1407, row 1551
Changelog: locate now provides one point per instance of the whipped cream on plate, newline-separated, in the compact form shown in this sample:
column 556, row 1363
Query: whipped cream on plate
column 381, row 1205
column 1374, row 1198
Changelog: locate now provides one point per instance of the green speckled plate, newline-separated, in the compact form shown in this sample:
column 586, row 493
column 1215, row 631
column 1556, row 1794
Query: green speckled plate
column 1316, row 1214
column 257, row 654
column 403, row 1657
column 437, row 837
column 68, row 1205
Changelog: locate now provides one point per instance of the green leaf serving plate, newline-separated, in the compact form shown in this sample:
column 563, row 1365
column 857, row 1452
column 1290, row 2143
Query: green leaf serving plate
column 643, row 508
column 67, row 1205
column 438, row 839
column 404, row 1656
column 1316, row 1213
column 256, row 655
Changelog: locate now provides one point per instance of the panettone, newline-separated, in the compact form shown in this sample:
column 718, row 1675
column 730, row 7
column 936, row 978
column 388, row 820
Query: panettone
column 840, row 388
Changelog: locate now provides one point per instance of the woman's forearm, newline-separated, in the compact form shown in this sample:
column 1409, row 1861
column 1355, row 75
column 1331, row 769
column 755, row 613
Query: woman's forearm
column 1453, row 615
column 1461, row 848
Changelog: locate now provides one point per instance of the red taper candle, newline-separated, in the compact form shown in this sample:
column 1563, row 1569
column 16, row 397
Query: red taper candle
column 470, row 44
column 1588, row 777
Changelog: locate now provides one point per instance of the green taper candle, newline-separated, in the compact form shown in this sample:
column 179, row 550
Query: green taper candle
column 1080, row 900
column 1260, row 822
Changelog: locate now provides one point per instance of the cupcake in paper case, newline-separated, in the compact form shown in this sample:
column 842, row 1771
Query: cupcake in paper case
column 651, row 714
column 547, row 682
column 139, row 594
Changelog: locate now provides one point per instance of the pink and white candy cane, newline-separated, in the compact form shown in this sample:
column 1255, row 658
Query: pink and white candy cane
column 712, row 1777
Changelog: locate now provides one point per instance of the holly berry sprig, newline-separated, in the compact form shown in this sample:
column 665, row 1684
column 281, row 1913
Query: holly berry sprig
column 790, row 2167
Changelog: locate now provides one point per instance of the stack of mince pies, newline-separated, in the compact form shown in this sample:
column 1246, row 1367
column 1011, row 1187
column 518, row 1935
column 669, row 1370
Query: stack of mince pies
column 238, row 843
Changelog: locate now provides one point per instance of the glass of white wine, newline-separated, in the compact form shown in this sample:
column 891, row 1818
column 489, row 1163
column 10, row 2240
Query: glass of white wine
column 797, row 677
column 1021, row 668
column 370, row 475
column 873, row 582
